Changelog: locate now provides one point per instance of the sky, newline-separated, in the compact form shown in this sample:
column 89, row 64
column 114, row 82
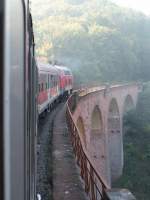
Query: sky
column 140, row 5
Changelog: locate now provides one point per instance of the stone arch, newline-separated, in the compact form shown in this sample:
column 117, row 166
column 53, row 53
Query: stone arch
column 98, row 141
column 128, row 104
column 114, row 140
column 81, row 128
column 113, row 116
column 96, row 121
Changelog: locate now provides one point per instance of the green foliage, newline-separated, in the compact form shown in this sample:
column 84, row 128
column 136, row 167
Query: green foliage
column 136, row 175
column 99, row 40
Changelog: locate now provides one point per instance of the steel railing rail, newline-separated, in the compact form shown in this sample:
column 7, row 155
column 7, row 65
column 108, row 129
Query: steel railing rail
column 94, row 185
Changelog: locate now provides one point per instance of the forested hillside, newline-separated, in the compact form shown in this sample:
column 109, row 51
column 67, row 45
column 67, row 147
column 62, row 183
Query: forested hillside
column 99, row 40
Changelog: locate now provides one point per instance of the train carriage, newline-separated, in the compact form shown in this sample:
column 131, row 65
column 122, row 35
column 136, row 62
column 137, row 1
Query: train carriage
column 53, row 83
column 66, row 79
column 48, row 86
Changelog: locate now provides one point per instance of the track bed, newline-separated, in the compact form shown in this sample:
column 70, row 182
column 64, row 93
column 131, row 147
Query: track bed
column 57, row 174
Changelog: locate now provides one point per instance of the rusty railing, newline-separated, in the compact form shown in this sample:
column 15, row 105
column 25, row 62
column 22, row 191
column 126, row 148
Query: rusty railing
column 94, row 185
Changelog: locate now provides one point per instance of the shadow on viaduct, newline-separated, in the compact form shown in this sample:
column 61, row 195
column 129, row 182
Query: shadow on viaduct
column 99, row 118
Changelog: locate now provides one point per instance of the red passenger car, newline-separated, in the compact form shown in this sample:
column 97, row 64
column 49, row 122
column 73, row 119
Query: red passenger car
column 53, row 83
column 66, row 80
column 48, row 86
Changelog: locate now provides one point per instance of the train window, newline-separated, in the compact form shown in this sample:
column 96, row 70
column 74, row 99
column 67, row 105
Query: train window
column 48, row 81
column 57, row 79
column 42, row 87
column 51, row 80
column 54, row 80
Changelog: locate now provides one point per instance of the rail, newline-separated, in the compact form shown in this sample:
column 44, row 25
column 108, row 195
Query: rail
column 94, row 185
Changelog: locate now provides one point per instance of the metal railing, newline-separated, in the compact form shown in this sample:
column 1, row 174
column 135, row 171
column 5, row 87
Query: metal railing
column 94, row 185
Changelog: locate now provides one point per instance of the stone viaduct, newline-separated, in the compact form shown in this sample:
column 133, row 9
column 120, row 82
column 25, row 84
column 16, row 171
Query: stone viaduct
column 99, row 118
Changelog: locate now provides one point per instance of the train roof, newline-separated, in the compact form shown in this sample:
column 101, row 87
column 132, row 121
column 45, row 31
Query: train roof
column 47, row 67
column 64, row 69
column 56, row 69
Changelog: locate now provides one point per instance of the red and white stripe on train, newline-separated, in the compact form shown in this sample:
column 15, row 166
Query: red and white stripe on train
column 53, row 82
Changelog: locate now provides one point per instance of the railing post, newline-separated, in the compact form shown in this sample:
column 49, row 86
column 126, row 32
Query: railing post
column 92, row 184
column 86, row 176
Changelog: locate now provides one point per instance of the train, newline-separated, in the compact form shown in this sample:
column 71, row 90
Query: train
column 27, row 89
column 18, row 109
column 54, row 82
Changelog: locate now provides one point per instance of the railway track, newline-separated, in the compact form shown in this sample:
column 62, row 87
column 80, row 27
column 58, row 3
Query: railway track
column 57, row 173
column 44, row 182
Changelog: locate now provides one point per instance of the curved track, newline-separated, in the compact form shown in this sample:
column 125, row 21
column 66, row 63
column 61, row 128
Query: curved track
column 58, row 176
column 44, row 154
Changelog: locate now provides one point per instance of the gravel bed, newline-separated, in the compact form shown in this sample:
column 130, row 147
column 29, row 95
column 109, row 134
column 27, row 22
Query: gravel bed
column 44, row 182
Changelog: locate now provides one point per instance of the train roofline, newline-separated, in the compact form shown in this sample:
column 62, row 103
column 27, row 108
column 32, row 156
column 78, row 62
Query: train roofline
column 62, row 67
column 45, row 67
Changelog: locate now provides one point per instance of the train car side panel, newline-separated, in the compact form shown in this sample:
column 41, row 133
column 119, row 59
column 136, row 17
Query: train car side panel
column 14, row 126
column 48, row 86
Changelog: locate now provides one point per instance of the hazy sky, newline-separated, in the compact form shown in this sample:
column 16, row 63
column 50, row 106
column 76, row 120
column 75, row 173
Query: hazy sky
column 141, row 5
